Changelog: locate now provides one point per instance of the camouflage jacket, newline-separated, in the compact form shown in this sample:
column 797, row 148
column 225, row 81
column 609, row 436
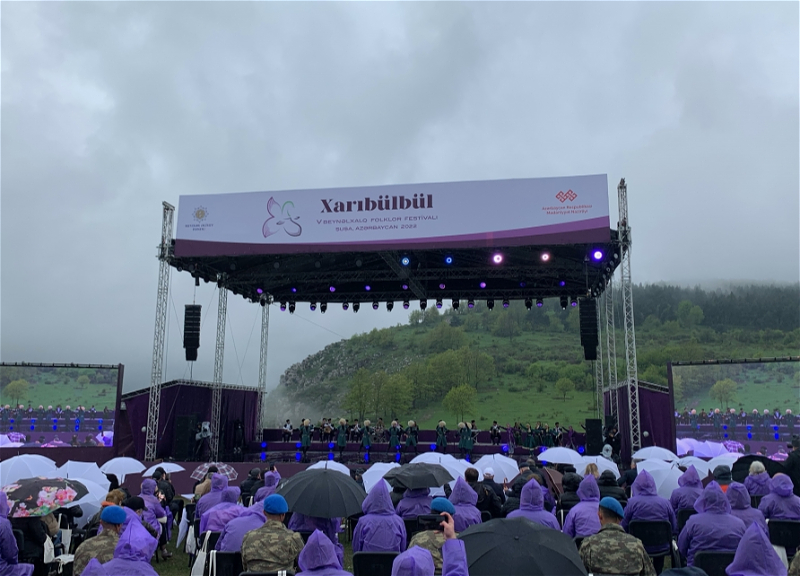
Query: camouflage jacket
column 100, row 547
column 613, row 551
column 271, row 548
column 794, row 567
column 432, row 541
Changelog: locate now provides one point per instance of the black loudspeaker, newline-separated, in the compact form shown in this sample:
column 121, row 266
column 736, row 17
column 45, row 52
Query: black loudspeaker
column 191, row 331
column 183, row 437
column 594, row 436
column 588, row 324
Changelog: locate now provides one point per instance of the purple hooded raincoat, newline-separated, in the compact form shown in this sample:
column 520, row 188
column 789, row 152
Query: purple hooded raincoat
column 464, row 498
column 207, row 501
column 414, row 503
column 271, row 480
column 646, row 504
column 531, row 506
column 233, row 534
column 740, row 506
column 328, row 526
column 318, row 557
column 380, row 529
column 9, row 565
column 582, row 520
column 131, row 556
column 781, row 503
column 217, row 517
column 758, row 484
column 153, row 508
column 418, row 562
column 690, row 488
column 755, row 556
column 713, row 527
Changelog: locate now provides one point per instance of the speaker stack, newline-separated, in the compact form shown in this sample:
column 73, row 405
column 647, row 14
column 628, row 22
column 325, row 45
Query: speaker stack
column 594, row 436
column 588, row 318
column 191, row 331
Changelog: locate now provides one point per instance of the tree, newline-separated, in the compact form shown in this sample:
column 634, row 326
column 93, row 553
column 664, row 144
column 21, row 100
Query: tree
column 478, row 366
column 460, row 400
column 564, row 386
column 445, row 371
column 359, row 394
column 416, row 317
column 396, row 396
column 83, row 380
column 689, row 315
column 506, row 326
column 419, row 382
column 378, row 381
column 445, row 337
column 724, row 391
column 18, row 390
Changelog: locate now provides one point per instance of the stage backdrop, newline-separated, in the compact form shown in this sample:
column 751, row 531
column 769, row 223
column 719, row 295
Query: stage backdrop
column 444, row 215
column 183, row 398
column 655, row 417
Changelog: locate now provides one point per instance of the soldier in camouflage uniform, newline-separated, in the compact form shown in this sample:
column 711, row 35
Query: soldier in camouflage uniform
column 273, row 547
column 433, row 540
column 612, row 551
column 101, row 546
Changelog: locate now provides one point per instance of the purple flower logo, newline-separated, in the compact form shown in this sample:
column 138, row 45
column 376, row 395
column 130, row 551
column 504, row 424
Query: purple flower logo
column 281, row 219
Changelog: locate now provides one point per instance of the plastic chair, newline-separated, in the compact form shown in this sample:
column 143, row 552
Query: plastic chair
column 683, row 517
column 561, row 517
column 655, row 533
column 281, row 573
column 713, row 563
column 19, row 536
column 226, row 563
column 411, row 528
column 755, row 501
column 189, row 509
column 784, row 533
column 305, row 535
column 485, row 515
column 373, row 563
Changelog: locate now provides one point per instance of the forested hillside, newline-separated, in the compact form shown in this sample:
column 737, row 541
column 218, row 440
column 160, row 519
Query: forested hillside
column 514, row 364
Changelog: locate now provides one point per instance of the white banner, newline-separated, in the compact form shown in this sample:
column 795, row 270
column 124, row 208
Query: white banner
column 568, row 210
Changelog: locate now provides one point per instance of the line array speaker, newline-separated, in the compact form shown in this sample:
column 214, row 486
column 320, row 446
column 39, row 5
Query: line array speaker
column 594, row 436
column 191, row 331
column 588, row 325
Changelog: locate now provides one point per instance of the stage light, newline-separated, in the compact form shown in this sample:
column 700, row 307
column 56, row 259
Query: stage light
column 490, row 304
column 332, row 288
column 523, row 284
column 505, row 303
column 263, row 456
column 406, row 304
column 313, row 306
column 777, row 436
column 455, row 304
column 439, row 303
column 545, row 257
column 389, row 306
column 356, row 306
column 573, row 301
column 283, row 306
column 775, row 428
column 441, row 286
column 32, row 427
column 597, row 255
column 405, row 261
column 263, row 302
column 448, row 260
column 470, row 303
column 467, row 458
column 298, row 445
column 497, row 258
column 298, row 456
column 345, row 305
column 55, row 427
column 291, row 307
column 100, row 427
column 528, row 303
column 397, row 457
column 749, row 435
column 504, row 448
column 562, row 283
column 725, row 427
column 331, row 446
column 294, row 290
column 259, row 290
column 366, row 457
column 726, row 435
column 263, row 444
column 375, row 305
column 330, row 456
column 563, row 301
column 423, row 304
column 323, row 307
column 482, row 284
column 581, row 449
column 367, row 287
column 405, row 286
column 539, row 302
column 433, row 447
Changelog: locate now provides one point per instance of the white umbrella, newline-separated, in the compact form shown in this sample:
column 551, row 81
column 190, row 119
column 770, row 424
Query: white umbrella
column 725, row 460
column 653, row 465
column 602, row 463
column 41, row 458
column 23, row 466
column 683, row 446
column 655, row 453
column 561, row 456
column 168, row 467
column 700, row 465
column 505, row 468
column 122, row 466
column 450, row 463
column 330, row 465
column 91, row 503
column 433, row 458
column 375, row 473
column 666, row 480
column 87, row 470
column 710, row 449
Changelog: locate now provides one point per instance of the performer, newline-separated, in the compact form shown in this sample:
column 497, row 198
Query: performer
column 469, row 440
column 732, row 423
column 366, row 438
column 461, row 438
column 341, row 437
column 765, row 425
column 494, row 433
column 287, row 431
column 530, row 437
column 791, row 421
column 441, row 436
column 327, row 430
column 517, row 431
column 412, row 435
column 716, row 419
column 306, row 430
column 394, row 436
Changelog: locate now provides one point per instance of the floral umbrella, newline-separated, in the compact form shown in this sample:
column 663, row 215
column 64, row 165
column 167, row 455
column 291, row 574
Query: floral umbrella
column 225, row 469
column 40, row 496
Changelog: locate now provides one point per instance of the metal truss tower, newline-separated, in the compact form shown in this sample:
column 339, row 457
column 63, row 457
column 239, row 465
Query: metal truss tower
column 611, row 348
column 219, row 357
column 162, row 300
column 632, row 373
column 598, row 364
column 262, row 365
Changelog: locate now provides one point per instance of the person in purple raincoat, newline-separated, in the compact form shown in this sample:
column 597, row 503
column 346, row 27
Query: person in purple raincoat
column 740, row 506
column 131, row 556
column 219, row 482
column 690, row 488
column 380, row 529
column 713, row 527
column 233, row 534
column 758, row 481
column 417, row 561
column 415, row 503
column 271, row 480
column 464, row 498
column 318, row 558
column 781, row 503
column 153, row 508
column 531, row 506
column 646, row 504
column 328, row 526
column 9, row 563
column 218, row 516
column 755, row 556
column 582, row 519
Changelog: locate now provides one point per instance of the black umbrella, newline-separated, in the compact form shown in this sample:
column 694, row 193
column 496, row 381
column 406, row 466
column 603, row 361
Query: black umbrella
column 517, row 546
column 323, row 493
column 420, row 475
column 741, row 468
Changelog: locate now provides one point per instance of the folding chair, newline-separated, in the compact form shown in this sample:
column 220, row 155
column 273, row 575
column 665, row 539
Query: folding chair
column 755, row 500
column 683, row 517
column 305, row 535
column 561, row 517
column 19, row 536
column 281, row 573
column 485, row 515
column 785, row 533
column 411, row 528
column 225, row 563
column 713, row 563
column 653, row 534
column 373, row 563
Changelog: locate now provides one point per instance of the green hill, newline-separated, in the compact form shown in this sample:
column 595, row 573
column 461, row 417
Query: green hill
column 528, row 365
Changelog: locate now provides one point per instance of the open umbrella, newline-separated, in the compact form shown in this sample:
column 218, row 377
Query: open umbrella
column 710, row 449
column 420, row 475
column 375, row 474
column 40, row 496
column 741, row 468
column 603, row 464
column 653, row 465
column 24, row 466
column 724, row 460
column 683, row 446
column 666, row 480
column 561, row 456
column 122, row 466
column 323, row 493
column 226, row 470
column 168, row 467
column 700, row 465
column 86, row 470
column 330, row 465
column 655, row 453
column 517, row 546
column 505, row 468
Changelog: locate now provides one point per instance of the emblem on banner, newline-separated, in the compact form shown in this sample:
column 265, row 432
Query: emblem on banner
column 200, row 214
column 568, row 195
column 281, row 219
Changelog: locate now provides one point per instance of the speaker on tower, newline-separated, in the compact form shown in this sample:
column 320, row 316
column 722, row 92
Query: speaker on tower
column 594, row 436
column 588, row 327
column 191, row 331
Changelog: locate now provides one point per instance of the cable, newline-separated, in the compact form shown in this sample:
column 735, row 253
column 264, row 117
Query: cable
column 208, row 307
column 244, row 356
column 230, row 327
column 296, row 315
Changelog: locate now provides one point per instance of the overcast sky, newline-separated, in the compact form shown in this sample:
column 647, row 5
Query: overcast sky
column 109, row 108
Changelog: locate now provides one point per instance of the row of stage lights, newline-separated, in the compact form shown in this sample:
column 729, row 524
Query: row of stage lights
column 423, row 304
column 497, row 258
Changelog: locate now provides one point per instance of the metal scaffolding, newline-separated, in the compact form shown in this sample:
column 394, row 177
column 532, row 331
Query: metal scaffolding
column 611, row 349
column 598, row 364
column 262, row 366
column 219, row 359
column 162, row 300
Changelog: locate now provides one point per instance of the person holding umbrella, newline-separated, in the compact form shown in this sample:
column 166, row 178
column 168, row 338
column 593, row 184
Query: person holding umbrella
column 9, row 553
column 341, row 437
column 611, row 550
column 412, row 434
column 272, row 547
column 219, row 482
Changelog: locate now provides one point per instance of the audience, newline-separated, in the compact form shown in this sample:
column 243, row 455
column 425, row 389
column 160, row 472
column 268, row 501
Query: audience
column 204, row 487
column 740, row 506
column 645, row 504
column 318, row 557
column 417, row 561
column 569, row 498
column 380, row 529
column 690, row 488
column 712, row 528
column 723, row 477
column 103, row 545
column 251, row 484
column 607, row 483
column 464, row 499
column 9, row 553
column 433, row 540
column 328, row 526
column 755, row 556
column 272, row 547
column 131, row 556
column 532, row 507
column 414, row 503
column 217, row 517
column 582, row 520
column 35, row 533
column 271, row 480
column 488, row 492
column 488, row 481
column 758, row 480
column 219, row 483
column 230, row 540
column 781, row 503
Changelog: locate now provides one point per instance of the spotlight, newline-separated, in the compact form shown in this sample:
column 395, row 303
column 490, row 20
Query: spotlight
column 356, row 306
column 497, row 258
column 283, row 306
column 482, row 284
column 389, row 306
column 455, row 304
column 490, row 304
column 294, row 290
column 545, row 257
column 375, row 305
column 332, row 288
column 358, row 263
column 528, row 303
column 562, row 283
column 539, row 302
column 313, row 306
column 323, row 307
column 367, row 287
column 263, row 444
column 564, row 302
column 470, row 303
column 505, row 303
column 291, row 307
column 259, row 290
column 345, row 306
column 448, row 260
column 405, row 261
column 423, row 304
column 573, row 301
column 438, row 302
column 523, row 284
column 597, row 255
column 441, row 286
column 405, row 286
column 406, row 304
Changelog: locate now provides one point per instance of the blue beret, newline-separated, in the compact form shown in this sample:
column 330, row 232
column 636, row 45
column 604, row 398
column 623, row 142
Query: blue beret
column 443, row 505
column 275, row 504
column 613, row 505
column 113, row 515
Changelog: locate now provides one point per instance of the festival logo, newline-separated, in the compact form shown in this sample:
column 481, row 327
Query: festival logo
column 568, row 195
column 281, row 219
column 200, row 214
